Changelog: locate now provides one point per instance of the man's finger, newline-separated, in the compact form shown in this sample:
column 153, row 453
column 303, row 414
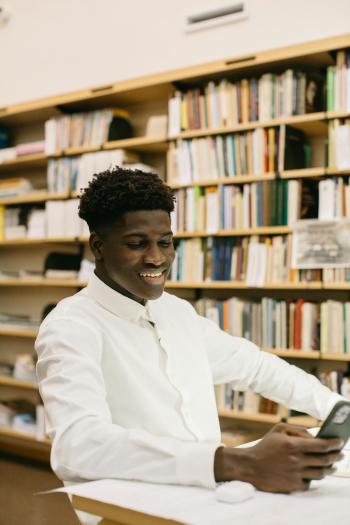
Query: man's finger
column 318, row 445
column 317, row 472
column 322, row 460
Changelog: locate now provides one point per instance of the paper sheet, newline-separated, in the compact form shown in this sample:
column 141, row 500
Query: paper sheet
column 326, row 500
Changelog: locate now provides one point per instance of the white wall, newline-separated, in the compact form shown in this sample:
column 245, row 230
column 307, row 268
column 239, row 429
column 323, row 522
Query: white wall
column 54, row 46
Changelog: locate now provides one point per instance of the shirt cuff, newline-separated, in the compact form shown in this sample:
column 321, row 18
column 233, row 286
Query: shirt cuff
column 195, row 464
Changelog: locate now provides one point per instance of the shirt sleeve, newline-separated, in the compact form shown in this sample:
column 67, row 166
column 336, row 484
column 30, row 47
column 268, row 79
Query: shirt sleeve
column 237, row 361
column 86, row 444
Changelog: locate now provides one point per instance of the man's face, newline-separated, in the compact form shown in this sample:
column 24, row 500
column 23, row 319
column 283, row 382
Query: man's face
column 135, row 256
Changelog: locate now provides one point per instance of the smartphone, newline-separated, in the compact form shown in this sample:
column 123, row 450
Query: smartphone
column 337, row 423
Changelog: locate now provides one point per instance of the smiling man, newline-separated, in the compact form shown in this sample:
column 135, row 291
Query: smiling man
column 127, row 371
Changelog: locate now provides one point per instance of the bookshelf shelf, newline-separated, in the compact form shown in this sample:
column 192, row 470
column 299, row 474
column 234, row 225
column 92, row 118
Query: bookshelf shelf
column 25, row 241
column 37, row 160
column 222, row 285
column 39, row 196
column 318, row 118
column 337, row 286
column 291, row 353
column 335, row 357
column 250, row 416
column 271, row 419
column 14, row 332
column 16, row 383
column 23, row 436
column 265, row 230
column 239, row 179
column 74, row 283
column 142, row 144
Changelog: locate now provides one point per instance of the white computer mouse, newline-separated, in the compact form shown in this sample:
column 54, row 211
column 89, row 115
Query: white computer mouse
column 234, row 491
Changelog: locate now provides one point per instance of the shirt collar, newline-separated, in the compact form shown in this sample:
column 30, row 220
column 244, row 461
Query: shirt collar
column 114, row 301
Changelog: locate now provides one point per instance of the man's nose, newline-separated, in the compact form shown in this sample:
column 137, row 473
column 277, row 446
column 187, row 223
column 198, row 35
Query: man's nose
column 154, row 255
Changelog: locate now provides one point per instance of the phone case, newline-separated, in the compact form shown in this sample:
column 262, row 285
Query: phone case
column 337, row 424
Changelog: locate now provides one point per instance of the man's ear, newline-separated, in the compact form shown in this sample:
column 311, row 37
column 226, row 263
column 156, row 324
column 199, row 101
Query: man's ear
column 96, row 245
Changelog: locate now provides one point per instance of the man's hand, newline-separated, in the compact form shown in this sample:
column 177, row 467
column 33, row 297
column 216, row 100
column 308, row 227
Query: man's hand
column 285, row 460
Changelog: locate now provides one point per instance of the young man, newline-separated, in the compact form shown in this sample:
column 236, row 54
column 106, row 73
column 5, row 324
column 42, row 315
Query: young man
column 127, row 371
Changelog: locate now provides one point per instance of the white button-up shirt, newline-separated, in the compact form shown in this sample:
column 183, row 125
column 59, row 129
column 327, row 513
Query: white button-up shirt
column 129, row 389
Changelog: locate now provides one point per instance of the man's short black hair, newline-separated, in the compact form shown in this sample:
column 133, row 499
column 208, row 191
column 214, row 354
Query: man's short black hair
column 114, row 192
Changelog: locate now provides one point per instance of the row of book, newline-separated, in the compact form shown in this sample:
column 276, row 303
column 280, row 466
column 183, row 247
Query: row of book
column 254, row 152
column 55, row 219
column 228, row 103
column 250, row 402
column 339, row 143
column 278, row 324
column 273, row 203
column 338, row 83
column 24, row 417
column 334, row 198
column 73, row 173
column 14, row 187
column 23, row 368
column 255, row 261
column 86, row 129
column 21, row 150
column 336, row 275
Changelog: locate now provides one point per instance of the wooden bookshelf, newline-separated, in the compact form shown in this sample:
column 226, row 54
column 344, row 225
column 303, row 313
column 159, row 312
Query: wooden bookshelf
column 38, row 196
column 239, row 179
column 71, row 283
column 37, row 160
column 16, row 383
column 22, row 435
column 141, row 95
column 316, row 118
column 14, row 332
column 293, row 354
column 48, row 240
column 239, row 232
column 271, row 419
column 239, row 285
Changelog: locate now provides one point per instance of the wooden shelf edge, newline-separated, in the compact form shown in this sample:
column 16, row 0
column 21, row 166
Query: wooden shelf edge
column 9, row 432
column 13, row 332
column 222, row 285
column 16, row 383
column 292, row 353
column 249, row 125
column 74, row 283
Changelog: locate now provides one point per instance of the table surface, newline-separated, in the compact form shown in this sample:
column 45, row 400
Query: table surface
column 138, row 503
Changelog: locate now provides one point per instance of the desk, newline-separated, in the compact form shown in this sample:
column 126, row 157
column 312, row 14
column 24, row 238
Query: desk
column 136, row 503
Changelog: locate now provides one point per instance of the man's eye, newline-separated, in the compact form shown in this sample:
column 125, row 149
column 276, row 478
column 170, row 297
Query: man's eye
column 135, row 245
column 166, row 243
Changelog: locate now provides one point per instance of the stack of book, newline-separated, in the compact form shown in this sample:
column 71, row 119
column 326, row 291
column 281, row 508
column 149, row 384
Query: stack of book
column 14, row 187
column 90, row 129
column 248, row 402
column 30, row 148
column 339, row 143
column 58, row 218
column 228, row 207
column 334, row 198
column 18, row 322
column 74, row 173
column 269, row 323
column 255, row 261
column 338, row 83
column 252, row 153
column 227, row 103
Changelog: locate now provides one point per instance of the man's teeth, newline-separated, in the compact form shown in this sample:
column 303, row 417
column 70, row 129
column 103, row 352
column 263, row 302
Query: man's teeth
column 151, row 274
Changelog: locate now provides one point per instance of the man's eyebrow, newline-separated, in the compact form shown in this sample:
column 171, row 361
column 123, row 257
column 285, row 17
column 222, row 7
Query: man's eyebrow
column 142, row 234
